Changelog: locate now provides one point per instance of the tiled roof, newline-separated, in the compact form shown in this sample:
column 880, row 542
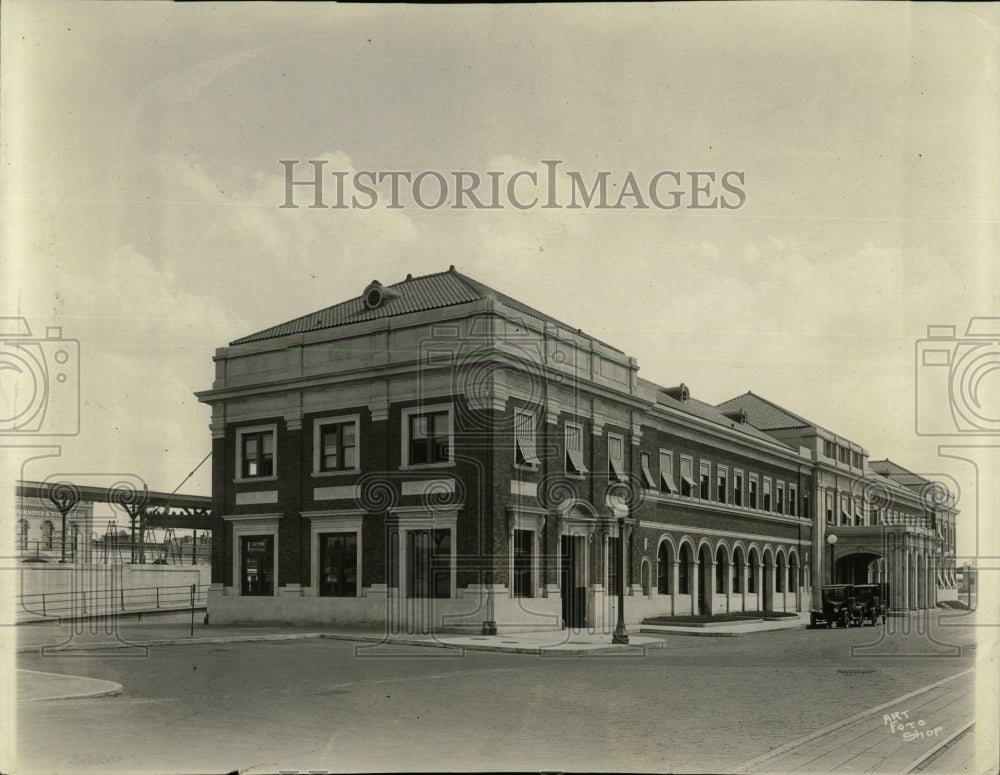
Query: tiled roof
column 414, row 294
column 708, row 412
column 897, row 473
column 762, row 414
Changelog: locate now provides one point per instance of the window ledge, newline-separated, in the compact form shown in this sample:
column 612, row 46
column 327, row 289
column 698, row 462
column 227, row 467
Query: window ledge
column 422, row 466
column 253, row 479
column 325, row 474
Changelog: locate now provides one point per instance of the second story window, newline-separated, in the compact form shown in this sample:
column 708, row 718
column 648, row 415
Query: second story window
column 616, row 458
column 337, row 445
column 752, row 492
column 793, row 497
column 667, row 473
column 430, row 438
column 704, row 477
column 524, row 439
column 829, row 507
column 647, row 477
column 737, row 488
column 256, row 448
column 687, row 483
column 721, row 484
column 574, row 450
column 767, row 494
column 779, row 494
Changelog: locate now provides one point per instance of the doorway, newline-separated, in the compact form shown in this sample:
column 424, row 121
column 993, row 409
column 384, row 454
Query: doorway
column 573, row 581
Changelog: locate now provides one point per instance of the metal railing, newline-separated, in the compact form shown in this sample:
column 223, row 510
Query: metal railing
column 111, row 601
column 121, row 552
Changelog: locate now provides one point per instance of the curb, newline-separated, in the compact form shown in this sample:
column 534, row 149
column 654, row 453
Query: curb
column 358, row 638
column 49, row 649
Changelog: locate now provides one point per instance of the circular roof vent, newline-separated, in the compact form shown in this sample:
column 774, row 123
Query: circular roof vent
column 374, row 295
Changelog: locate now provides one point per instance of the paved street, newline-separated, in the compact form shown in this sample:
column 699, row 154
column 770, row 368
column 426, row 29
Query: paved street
column 697, row 704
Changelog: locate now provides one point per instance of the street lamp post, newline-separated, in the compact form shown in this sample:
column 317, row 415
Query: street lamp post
column 832, row 541
column 621, row 634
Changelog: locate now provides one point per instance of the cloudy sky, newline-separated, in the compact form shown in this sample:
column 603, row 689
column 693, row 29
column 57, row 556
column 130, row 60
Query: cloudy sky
column 142, row 184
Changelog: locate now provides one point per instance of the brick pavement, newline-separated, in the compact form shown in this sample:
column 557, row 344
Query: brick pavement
column 892, row 737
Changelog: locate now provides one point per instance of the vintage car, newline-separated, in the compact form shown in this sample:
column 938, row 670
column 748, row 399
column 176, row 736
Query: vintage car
column 838, row 607
column 871, row 599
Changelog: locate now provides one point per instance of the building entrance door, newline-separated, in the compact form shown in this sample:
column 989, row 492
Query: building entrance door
column 573, row 581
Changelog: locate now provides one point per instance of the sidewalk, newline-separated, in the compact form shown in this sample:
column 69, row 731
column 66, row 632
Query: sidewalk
column 728, row 629
column 94, row 634
column 33, row 686
column 894, row 737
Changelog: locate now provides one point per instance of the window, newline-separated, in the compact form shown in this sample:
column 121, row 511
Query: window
column 767, row 494
column 859, row 514
column 667, row 472
column 616, row 457
column 663, row 569
column 647, row 478
column 738, row 487
column 429, row 563
column 256, row 452
column 523, row 543
column 752, row 491
column 845, row 510
column 684, row 572
column 47, row 530
column 687, row 483
column 721, row 484
column 574, row 449
column 829, row 507
column 614, row 565
column 844, row 455
column 257, row 565
column 829, row 449
column 805, row 505
column 22, row 534
column 704, row 479
column 338, row 557
column 779, row 495
column 524, row 439
column 793, row 497
column 336, row 445
column 429, row 437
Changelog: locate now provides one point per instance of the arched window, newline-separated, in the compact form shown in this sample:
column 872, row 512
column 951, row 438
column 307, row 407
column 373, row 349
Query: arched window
column 22, row 534
column 720, row 570
column 663, row 569
column 47, row 534
column 793, row 573
column 737, row 569
column 779, row 580
column 644, row 576
column 684, row 576
column 752, row 572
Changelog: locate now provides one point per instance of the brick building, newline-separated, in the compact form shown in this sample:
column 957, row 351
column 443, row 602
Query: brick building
column 437, row 454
